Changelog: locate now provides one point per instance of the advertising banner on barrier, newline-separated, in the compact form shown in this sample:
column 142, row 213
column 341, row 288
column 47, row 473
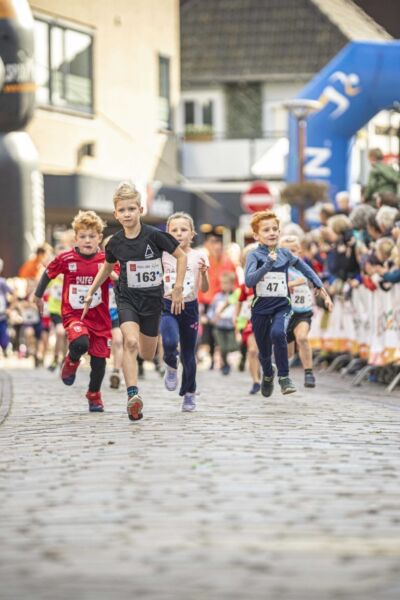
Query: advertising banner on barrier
column 368, row 325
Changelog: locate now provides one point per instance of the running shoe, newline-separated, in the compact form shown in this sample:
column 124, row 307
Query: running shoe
column 225, row 370
column 189, row 403
column 170, row 378
column 134, row 408
column 267, row 385
column 287, row 385
column 115, row 380
column 309, row 380
column 255, row 389
column 68, row 370
column 53, row 366
column 95, row 402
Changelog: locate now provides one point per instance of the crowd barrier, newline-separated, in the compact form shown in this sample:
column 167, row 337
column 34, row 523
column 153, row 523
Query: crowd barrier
column 366, row 325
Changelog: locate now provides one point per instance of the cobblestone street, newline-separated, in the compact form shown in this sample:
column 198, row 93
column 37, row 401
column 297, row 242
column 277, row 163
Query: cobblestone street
column 295, row 497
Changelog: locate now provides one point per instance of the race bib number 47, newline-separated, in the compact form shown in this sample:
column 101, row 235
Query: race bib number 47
column 144, row 273
column 272, row 285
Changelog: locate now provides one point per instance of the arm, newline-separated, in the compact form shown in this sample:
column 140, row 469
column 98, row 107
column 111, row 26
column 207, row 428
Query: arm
column 296, row 282
column 204, row 283
column 177, row 292
column 252, row 275
column 301, row 266
column 100, row 278
column 40, row 290
column 392, row 276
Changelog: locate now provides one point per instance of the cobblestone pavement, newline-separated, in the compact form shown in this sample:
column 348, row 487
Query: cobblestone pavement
column 296, row 497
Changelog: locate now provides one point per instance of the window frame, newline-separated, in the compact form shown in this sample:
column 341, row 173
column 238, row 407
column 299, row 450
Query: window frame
column 165, row 125
column 68, row 107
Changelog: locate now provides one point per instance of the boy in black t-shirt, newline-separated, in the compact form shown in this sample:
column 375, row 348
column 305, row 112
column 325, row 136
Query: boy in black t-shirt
column 139, row 292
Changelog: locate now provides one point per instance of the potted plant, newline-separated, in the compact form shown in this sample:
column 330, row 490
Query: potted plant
column 198, row 133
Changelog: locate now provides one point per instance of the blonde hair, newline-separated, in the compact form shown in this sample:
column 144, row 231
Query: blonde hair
column 126, row 191
column 339, row 224
column 227, row 277
column 287, row 240
column 385, row 217
column 181, row 215
column 262, row 215
column 88, row 219
column 385, row 246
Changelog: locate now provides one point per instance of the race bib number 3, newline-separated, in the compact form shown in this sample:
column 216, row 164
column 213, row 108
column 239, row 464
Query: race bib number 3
column 272, row 285
column 77, row 295
column 144, row 273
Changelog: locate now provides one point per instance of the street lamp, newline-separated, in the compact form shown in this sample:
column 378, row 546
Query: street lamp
column 300, row 109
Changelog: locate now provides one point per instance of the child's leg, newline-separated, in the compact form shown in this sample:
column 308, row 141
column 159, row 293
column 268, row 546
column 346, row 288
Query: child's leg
column 97, row 372
column 301, row 333
column 117, row 348
column 170, row 330
column 130, row 333
column 278, row 338
column 262, row 334
column 188, row 327
column 252, row 353
column 4, row 339
column 78, row 347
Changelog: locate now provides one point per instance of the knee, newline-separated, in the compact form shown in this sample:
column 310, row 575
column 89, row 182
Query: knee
column 252, row 353
column 302, row 339
column 80, row 346
column 131, row 344
column 278, row 337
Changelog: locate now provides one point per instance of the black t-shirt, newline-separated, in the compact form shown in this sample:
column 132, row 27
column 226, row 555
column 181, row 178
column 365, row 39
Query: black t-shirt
column 140, row 283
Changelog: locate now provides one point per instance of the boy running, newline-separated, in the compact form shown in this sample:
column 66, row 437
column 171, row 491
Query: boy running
column 139, row 292
column 267, row 272
column 93, row 333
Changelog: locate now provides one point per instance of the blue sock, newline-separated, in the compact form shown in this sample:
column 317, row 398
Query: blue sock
column 132, row 390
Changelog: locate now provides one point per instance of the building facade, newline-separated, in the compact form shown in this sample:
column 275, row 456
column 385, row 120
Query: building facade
column 108, row 77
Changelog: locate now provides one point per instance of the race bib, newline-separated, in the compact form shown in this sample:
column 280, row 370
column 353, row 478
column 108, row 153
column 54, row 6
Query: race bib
column 245, row 310
column 302, row 297
column 56, row 292
column 3, row 304
column 144, row 273
column 30, row 315
column 112, row 303
column 78, row 293
column 272, row 285
column 188, row 283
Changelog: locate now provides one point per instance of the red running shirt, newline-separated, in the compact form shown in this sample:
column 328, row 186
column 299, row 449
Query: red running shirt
column 79, row 273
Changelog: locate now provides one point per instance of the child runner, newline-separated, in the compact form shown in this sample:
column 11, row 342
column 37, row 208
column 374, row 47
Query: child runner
column 302, row 306
column 182, row 329
column 80, row 266
column 267, row 272
column 139, row 292
column 222, row 314
column 5, row 293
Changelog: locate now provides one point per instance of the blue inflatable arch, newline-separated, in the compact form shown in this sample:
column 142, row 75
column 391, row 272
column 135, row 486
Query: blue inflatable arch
column 363, row 79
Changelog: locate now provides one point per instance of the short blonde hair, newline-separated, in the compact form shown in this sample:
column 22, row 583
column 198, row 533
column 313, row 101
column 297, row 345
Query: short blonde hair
column 181, row 215
column 126, row 191
column 385, row 247
column 262, row 215
column 227, row 277
column 287, row 240
column 339, row 224
column 88, row 219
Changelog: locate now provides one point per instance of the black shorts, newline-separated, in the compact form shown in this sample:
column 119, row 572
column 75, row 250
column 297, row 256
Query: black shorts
column 148, row 324
column 295, row 319
column 115, row 323
column 55, row 318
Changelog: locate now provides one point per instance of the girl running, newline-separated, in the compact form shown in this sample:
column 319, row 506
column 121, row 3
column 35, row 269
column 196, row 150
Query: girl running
column 182, row 328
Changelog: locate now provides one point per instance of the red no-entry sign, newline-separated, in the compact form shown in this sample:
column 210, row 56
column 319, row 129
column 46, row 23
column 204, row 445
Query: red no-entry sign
column 257, row 197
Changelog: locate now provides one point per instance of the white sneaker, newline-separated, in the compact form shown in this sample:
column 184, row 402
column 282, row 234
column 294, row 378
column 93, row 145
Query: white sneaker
column 170, row 378
column 189, row 403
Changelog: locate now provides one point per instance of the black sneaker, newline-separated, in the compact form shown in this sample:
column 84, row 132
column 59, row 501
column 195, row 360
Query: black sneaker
column 287, row 385
column 309, row 380
column 267, row 385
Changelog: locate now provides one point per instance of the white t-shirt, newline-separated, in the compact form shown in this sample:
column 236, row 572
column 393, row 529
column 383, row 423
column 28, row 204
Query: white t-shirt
column 191, row 282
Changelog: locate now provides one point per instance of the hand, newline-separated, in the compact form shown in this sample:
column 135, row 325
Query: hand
column 178, row 303
column 38, row 303
column 86, row 305
column 203, row 268
column 273, row 255
column 327, row 299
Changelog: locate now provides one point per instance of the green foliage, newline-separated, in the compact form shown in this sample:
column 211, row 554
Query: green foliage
column 304, row 194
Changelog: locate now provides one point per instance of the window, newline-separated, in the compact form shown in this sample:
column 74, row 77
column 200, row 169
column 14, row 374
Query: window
column 207, row 113
column 189, row 113
column 63, row 63
column 164, row 115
